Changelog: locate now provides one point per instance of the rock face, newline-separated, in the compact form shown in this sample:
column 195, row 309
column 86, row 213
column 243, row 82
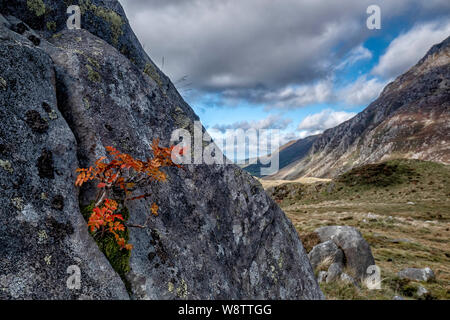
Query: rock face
column 41, row 230
column 334, row 271
column 425, row 274
column 218, row 235
column 357, row 253
column 410, row 119
column 326, row 251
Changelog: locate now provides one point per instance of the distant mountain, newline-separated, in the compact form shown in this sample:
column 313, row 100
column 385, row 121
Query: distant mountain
column 289, row 153
column 410, row 119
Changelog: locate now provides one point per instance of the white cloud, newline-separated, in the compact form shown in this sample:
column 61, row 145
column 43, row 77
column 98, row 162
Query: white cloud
column 270, row 122
column 408, row 48
column 355, row 55
column 300, row 96
column 361, row 92
column 274, row 125
column 318, row 122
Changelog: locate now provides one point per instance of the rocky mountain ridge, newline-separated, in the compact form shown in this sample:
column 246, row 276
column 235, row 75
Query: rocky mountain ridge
column 410, row 119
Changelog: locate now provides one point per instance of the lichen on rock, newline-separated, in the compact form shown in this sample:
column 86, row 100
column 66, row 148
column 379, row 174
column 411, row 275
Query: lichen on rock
column 3, row 84
column 93, row 75
column 6, row 165
column 116, row 22
column 150, row 70
column 51, row 25
column 36, row 6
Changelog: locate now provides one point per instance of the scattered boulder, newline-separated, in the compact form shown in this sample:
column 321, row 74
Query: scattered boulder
column 334, row 271
column 357, row 253
column 421, row 292
column 425, row 274
column 322, row 276
column 327, row 251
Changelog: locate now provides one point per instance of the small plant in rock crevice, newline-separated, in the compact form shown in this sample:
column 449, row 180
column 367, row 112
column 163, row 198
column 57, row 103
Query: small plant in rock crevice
column 130, row 175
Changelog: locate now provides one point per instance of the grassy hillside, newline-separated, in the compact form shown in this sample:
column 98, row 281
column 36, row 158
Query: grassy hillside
column 402, row 208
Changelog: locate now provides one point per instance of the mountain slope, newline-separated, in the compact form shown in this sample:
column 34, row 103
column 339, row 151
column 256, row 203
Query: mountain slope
column 410, row 119
column 289, row 153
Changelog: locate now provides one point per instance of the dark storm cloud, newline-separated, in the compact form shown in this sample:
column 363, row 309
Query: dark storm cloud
column 252, row 48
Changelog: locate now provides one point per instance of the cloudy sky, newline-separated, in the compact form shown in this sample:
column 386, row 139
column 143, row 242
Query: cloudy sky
column 300, row 66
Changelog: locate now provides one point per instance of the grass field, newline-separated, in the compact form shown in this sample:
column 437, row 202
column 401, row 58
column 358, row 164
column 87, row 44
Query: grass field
column 402, row 208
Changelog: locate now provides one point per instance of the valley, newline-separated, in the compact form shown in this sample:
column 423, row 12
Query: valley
column 402, row 209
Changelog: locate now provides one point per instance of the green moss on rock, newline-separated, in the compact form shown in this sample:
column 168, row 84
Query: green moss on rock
column 93, row 75
column 115, row 20
column 6, row 165
column 57, row 35
column 94, row 62
column 152, row 73
column 86, row 103
column 117, row 257
column 51, row 25
column 36, row 6
column 3, row 84
column 18, row 203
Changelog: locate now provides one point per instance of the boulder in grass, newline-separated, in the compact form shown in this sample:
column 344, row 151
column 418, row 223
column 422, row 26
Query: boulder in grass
column 326, row 251
column 422, row 292
column 416, row 274
column 334, row 271
column 357, row 252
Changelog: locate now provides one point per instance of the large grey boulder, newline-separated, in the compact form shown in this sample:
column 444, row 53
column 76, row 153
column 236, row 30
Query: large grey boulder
column 42, row 232
column 104, row 18
column 357, row 252
column 326, row 252
column 425, row 274
column 218, row 235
